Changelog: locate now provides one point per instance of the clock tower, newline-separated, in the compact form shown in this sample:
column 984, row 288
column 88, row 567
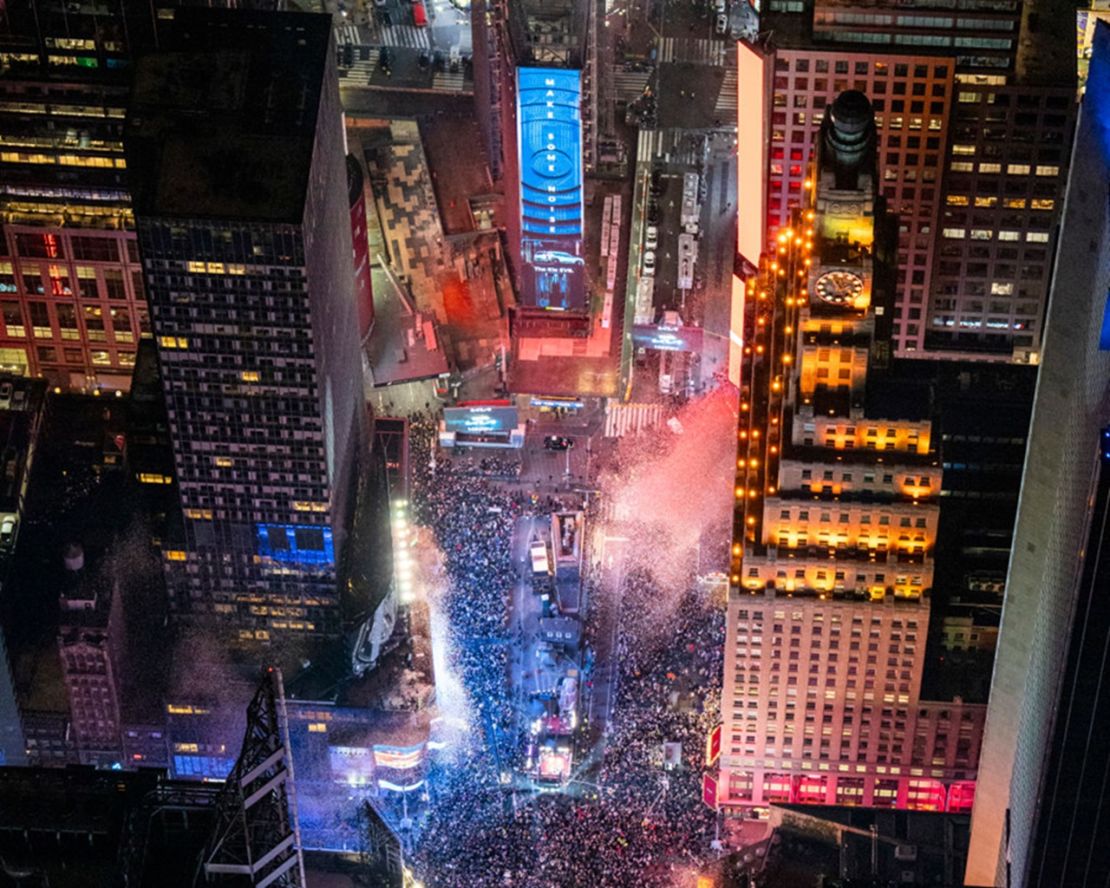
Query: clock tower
column 837, row 323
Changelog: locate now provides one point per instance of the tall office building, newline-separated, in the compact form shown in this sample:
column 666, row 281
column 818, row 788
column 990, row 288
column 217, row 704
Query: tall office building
column 1038, row 815
column 70, row 283
column 533, row 108
column 975, row 112
column 239, row 187
column 837, row 486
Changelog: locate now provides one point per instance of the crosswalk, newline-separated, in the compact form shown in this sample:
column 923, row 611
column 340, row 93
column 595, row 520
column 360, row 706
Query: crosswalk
column 727, row 101
column 449, row 81
column 362, row 69
column 629, row 85
column 406, row 36
column 625, row 419
column 670, row 146
column 699, row 50
column 347, row 33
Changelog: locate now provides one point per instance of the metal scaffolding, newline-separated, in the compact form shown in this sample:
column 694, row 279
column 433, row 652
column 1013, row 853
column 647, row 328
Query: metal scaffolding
column 255, row 839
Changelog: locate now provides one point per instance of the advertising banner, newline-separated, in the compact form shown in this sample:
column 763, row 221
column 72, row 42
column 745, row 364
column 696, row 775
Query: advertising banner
column 553, row 271
column 480, row 420
column 713, row 747
column 709, row 790
column 662, row 337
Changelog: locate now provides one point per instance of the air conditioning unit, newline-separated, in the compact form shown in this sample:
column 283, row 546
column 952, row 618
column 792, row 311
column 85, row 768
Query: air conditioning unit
column 907, row 853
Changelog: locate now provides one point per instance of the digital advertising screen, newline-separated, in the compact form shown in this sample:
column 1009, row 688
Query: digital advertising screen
column 553, row 271
column 480, row 420
column 661, row 337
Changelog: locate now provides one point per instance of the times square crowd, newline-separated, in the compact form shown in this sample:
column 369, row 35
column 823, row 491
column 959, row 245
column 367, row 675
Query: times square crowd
column 622, row 820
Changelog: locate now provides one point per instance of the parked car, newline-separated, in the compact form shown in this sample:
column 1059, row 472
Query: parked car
column 651, row 237
column 558, row 442
column 722, row 24
column 649, row 262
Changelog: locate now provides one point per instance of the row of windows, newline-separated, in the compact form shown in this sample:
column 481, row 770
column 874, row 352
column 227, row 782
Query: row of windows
column 1033, row 237
column 859, row 68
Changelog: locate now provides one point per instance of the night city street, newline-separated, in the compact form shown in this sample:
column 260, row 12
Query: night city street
column 554, row 443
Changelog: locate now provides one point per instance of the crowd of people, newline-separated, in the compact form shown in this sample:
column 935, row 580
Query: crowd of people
column 472, row 521
column 623, row 820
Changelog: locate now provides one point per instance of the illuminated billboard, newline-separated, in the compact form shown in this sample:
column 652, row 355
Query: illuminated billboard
column 751, row 152
column 399, row 758
column 664, row 337
column 295, row 544
column 480, row 420
column 553, row 271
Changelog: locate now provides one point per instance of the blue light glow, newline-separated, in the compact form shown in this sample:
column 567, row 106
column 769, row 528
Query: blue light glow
column 551, row 212
column 295, row 543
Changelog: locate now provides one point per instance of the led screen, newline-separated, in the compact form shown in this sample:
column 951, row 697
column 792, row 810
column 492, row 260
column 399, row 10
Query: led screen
column 295, row 544
column 662, row 337
column 549, row 114
column 480, row 420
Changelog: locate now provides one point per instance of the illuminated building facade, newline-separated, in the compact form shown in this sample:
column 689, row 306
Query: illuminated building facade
column 974, row 109
column 240, row 193
column 1040, row 816
column 89, row 643
column 835, row 523
column 70, row 283
column 911, row 95
column 533, row 108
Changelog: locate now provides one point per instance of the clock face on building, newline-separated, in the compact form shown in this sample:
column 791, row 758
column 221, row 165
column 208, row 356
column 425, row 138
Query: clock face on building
column 839, row 287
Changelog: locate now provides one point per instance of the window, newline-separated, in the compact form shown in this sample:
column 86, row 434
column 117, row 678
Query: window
column 40, row 320
column 13, row 318
column 113, row 284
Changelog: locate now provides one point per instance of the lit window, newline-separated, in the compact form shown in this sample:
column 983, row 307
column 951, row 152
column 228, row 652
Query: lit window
column 1048, row 170
column 175, row 555
column 223, row 462
column 154, row 478
column 1042, row 204
column 1037, row 237
column 986, row 201
column 980, row 234
column 962, row 166
column 957, row 200
column 250, row 376
column 1018, row 169
column 990, row 168
column 317, row 728
column 1009, row 235
column 955, row 233
column 963, row 149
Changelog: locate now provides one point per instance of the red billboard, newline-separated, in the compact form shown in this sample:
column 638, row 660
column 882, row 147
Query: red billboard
column 709, row 790
column 713, row 746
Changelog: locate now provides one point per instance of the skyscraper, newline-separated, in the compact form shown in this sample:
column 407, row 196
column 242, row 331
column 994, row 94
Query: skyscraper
column 836, row 518
column 531, row 101
column 1038, row 815
column 238, row 176
column 70, row 284
column 974, row 109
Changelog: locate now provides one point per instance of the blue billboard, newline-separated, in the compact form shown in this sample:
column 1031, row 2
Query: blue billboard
column 295, row 544
column 553, row 271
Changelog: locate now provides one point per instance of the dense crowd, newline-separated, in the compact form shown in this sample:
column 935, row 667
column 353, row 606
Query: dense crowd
column 624, row 821
column 472, row 520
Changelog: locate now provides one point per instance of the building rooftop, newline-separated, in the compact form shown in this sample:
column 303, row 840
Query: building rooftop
column 223, row 122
